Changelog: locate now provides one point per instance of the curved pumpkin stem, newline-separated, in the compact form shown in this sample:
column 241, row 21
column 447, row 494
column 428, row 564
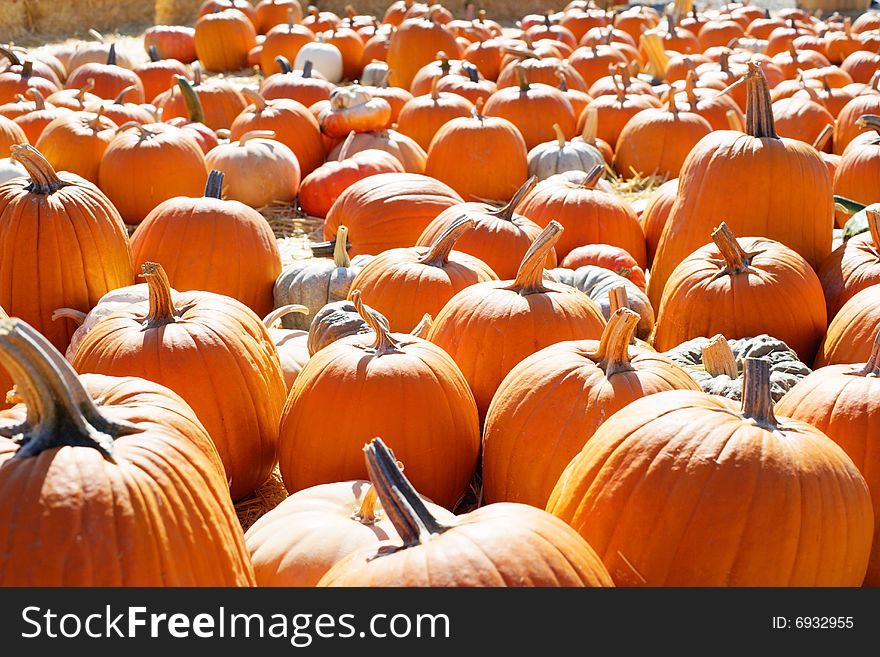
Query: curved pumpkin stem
column 757, row 404
column 153, row 54
column 873, row 218
column 560, row 137
column 120, row 99
column 438, row 254
column 194, row 109
column 718, row 358
column 340, row 248
column 736, row 259
column 823, row 137
column 77, row 316
column 258, row 101
column 384, row 343
column 162, row 310
column 612, row 356
column 759, row 105
column 44, row 179
column 39, row 99
column 60, row 413
column 593, row 176
column 618, row 298
column 435, row 95
column 256, row 134
column 11, row 55
column 870, row 121
column 272, row 318
column 214, row 186
column 424, row 327
column 284, row 65
column 872, row 367
column 522, row 79
column 530, row 276
column 400, row 501
column 506, row 212
column 591, row 125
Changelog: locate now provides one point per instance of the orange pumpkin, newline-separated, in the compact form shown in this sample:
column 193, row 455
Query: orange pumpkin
column 307, row 86
column 269, row 13
column 852, row 266
column 158, row 74
column 221, row 101
column 613, row 113
column 194, row 121
column 121, row 112
column 858, row 171
column 355, row 109
column 847, row 127
column 34, row 122
column 414, row 44
column 223, row 40
column 10, row 134
column 283, row 40
column 423, row 116
column 76, row 142
column 656, row 213
column 107, row 80
column 850, row 333
column 19, row 76
column 172, row 42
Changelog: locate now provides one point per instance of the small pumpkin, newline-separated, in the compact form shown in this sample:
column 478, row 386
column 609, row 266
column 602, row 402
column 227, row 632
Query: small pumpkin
column 423, row 116
column 354, row 109
column 404, row 149
column 337, row 320
column 221, row 101
column 172, row 42
column 609, row 257
column 849, row 335
column 325, row 57
column 223, row 40
column 558, row 156
column 307, row 86
column 76, row 143
column 158, row 74
column 285, row 40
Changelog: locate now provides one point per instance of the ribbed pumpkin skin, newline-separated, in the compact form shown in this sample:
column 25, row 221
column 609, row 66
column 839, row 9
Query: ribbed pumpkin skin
column 659, row 492
column 223, row 40
column 76, row 143
column 488, row 329
column 858, row 172
column 590, row 216
column 219, row 357
column 221, row 101
column 160, row 516
column 10, row 133
column 843, row 405
column 850, row 268
column 653, row 219
column 415, row 43
column 786, row 197
column 66, row 249
column 534, row 111
column 502, row 545
column 550, row 405
column 780, row 295
column 344, row 397
column 212, row 245
column 850, row 333
column 388, row 211
column 403, row 289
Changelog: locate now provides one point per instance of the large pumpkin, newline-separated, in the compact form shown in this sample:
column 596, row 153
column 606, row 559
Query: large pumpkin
column 552, row 402
column 849, row 335
column 498, row 545
column 415, row 43
column 388, row 210
column 488, row 328
column 116, row 474
column 682, row 463
column 212, row 244
column 840, row 401
column 758, row 183
column 356, row 381
column 223, row 40
column 215, row 353
column 852, row 266
column 858, row 173
column 62, row 244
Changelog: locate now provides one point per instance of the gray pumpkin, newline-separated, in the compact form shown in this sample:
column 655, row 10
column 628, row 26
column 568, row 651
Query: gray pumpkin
column 785, row 368
column 597, row 283
column 337, row 320
column 560, row 156
column 316, row 282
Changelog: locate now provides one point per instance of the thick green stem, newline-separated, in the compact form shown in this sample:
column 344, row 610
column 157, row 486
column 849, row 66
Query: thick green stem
column 194, row 108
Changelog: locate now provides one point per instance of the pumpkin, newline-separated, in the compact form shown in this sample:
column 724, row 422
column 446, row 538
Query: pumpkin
column 423, row 116
column 285, row 39
column 404, row 149
column 353, row 108
column 158, row 74
column 852, row 267
column 558, row 156
column 851, row 331
column 787, row 197
column 847, row 127
column 173, row 158
column 189, row 342
column 337, row 320
column 19, row 77
column 592, row 63
column 293, row 124
column 552, row 402
column 105, row 450
column 521, row 316
column 858, row 171
column 414, row 44
column 66, row 221
column 436, row 412
column 10, row 169
column 325, row 57
column 10, row 134
column 212, row 244
column 613, row 113
column 262, row 170
column 320, row 21
column 351, row 48
column 214, row 6
column 498, row 545
column 269, row 13
column 610, row 257
column 172, row 42
column 461, row 151
column 684, row 451
column 801, row 118
column 839, row 401
column 95, row 52
column 291, row 344
column 121, row 112
column 709, row 104
column 706, row 291
column 589, row 215
column 221, row 101
column 440, row 68
column 599, row 284
column 107, row 80
column 716, row 364
column 194, row 123
column 403, row 284
column 316, row 282
column 469, row 86
column 307, row 86
column 35, row 121
column 223, row 40
column 388, row 210
column 861, row 65
column 299, row 540
column 500, row 236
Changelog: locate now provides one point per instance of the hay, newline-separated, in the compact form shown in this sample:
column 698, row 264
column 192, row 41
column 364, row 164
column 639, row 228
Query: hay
column 13, row 19
column 635, row 188
column 263, row 500
column 72, row 17
column 176, row 12
column 294, row 230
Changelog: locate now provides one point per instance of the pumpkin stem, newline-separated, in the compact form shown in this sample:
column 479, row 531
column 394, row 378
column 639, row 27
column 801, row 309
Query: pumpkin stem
column 366, row 513
column 77, row 316
column 870, row 121
column 612, row 356
column 560, row 138
column 403, row 506
column 718, row 358
column 9, row 53
column 39, row 99
column 44, row 180
column 111, row 55
column 591, row 125
column 505, row 212
column 60, row 413
column 618, row 298
column 872, row 367
column 563, row 83
column 873, row 218
column 153, row 54
column 162, row 310
column 255, row 134
column 822, row 140
column 272, row 318
column 438, row 254
column 478, row 109
column 759, row 106
column 191, row 100
column 144, row 133
column 472, row 72
column 435, row 95
column 424, row 327
column 618, row 87
column 86, row 88
column 521, row 78
column 120, row 99
column 340, row 248
column 530, row 276
column 214, row 186
column 757, row 404
column 736, row 259
column 593, row 176
column 383, row 343
column 258, row 101
column 284, row 65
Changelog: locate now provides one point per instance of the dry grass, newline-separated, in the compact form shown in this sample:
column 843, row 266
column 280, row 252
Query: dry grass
column 263, row 500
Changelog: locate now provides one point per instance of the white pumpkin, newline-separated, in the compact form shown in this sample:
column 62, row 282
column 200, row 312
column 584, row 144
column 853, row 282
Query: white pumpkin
column 10, row 169
column 325, row 58
column 375, row 73
column 559, row 156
